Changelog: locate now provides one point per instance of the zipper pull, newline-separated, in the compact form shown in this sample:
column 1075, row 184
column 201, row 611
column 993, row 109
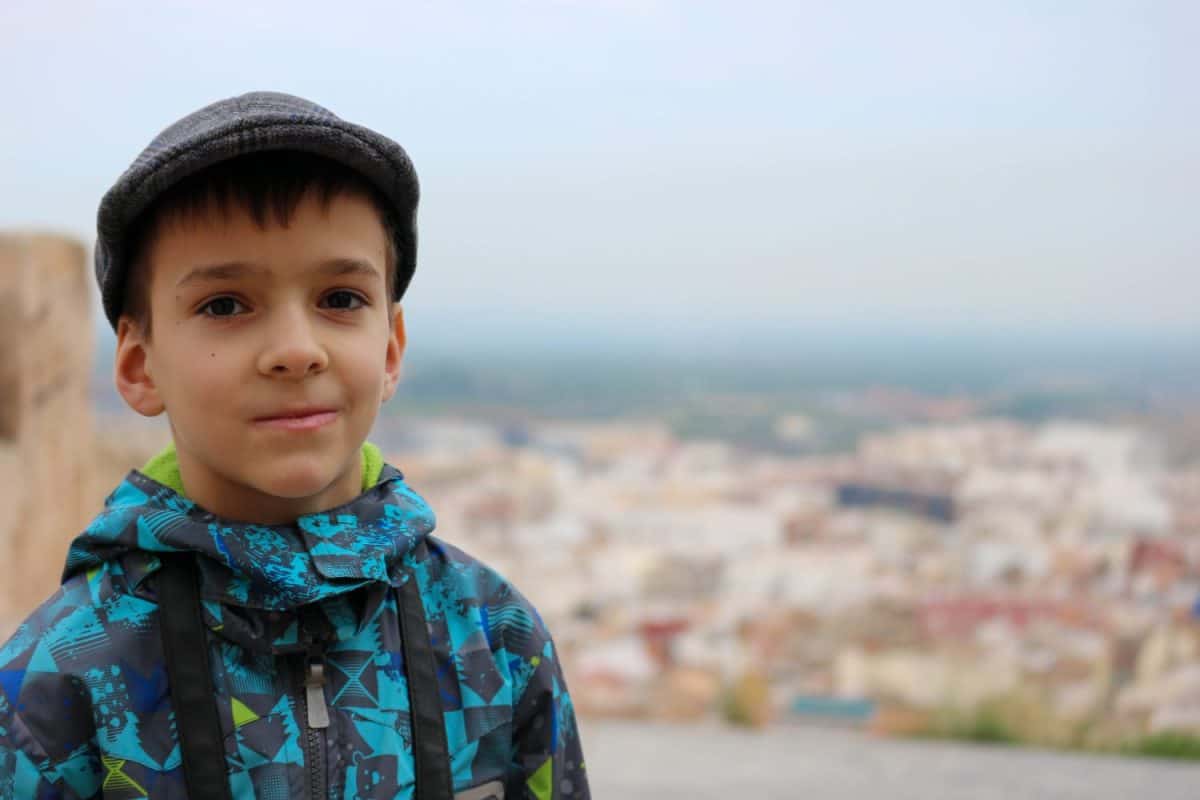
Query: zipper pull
column 314, row 693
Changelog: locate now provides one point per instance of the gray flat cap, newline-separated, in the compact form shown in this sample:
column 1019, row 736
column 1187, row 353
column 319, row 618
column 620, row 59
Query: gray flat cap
column 254, row 122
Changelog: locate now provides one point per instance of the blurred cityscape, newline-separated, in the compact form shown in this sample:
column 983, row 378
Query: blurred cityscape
column 1050, row 571
column 951, row 571
column 965, row 563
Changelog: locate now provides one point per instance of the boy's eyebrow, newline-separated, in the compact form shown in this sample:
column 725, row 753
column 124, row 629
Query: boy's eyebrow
column 239, row 269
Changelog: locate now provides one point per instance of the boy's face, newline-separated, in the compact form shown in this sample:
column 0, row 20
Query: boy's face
column 271, row 352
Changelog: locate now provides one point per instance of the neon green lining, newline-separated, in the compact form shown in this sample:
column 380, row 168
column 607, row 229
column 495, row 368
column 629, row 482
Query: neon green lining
column 164, row 467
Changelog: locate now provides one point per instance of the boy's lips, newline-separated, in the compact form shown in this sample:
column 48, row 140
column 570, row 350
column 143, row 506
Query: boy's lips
column 301, row 419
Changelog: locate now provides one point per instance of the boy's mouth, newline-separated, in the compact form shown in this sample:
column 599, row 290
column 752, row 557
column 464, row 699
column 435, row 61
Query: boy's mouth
column 298, row 419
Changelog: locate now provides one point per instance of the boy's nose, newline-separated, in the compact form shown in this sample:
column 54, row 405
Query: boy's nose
column 293, row 349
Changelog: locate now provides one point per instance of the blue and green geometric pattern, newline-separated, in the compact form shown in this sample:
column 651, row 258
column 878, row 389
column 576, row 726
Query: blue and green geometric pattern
column 85, row 703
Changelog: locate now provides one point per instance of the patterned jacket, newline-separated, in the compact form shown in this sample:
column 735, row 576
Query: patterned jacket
column 85, row 708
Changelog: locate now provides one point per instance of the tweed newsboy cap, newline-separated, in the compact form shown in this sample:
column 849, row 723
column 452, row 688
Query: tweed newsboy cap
column 251, row 123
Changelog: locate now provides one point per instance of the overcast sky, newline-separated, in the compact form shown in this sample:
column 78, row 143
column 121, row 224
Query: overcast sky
column 1001, row 165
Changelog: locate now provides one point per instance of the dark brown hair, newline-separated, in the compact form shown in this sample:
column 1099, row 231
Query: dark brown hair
column 268, row 186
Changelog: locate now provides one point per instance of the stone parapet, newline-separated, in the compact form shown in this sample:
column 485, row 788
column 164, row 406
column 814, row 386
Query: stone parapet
column 46, row 437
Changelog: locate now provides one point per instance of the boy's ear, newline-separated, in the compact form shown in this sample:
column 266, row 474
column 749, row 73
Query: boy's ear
column 397, row 339
column 131, row 370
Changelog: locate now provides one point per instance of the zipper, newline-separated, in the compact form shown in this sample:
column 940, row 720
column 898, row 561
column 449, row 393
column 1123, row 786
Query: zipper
column 315, row 714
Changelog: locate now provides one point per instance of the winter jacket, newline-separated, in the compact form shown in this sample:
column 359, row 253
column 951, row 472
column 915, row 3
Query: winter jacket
column 85, row 709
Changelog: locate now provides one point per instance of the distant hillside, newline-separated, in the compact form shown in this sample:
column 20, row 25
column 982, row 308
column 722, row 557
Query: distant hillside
column 742, row 396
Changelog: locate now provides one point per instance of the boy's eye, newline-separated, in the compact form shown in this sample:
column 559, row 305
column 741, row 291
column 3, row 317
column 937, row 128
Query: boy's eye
column 221, row 307
column 343, row 300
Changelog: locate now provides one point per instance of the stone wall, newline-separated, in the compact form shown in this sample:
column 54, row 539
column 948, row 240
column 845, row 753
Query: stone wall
column 46, row 437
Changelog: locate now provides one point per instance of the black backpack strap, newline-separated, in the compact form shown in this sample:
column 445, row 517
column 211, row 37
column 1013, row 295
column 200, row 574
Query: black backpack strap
column 185, row 645
column 431, row 754
column 192, row 693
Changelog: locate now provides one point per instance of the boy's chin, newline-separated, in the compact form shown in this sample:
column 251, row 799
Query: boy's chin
column 297, row 480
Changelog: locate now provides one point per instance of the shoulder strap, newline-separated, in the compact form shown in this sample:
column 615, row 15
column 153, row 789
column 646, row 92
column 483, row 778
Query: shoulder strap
column 190, row 679
column 431, row 754
column 192, row 693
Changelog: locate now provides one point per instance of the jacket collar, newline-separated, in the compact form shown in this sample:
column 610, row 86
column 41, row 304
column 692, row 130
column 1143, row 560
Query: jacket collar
column 273, row 567
column 163, row 467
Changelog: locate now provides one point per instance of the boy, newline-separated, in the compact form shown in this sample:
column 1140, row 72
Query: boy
column 261, row 610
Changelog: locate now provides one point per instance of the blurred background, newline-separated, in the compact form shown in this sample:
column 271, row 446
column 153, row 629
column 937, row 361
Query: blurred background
column 826, row 373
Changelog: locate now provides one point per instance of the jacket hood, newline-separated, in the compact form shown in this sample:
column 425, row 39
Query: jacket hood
column 247, row 566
